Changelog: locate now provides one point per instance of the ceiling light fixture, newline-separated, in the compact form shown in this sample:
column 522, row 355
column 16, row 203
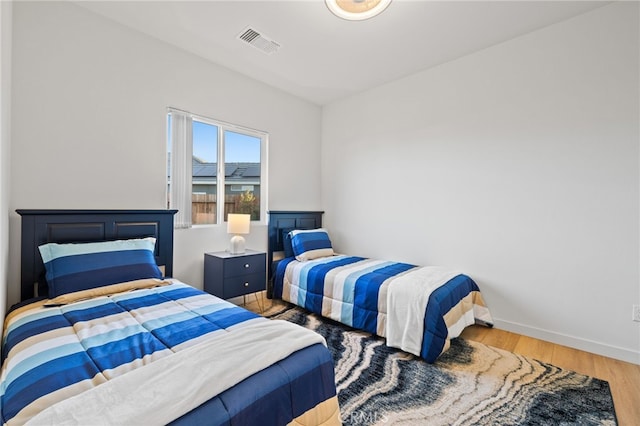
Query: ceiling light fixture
column 357, row 10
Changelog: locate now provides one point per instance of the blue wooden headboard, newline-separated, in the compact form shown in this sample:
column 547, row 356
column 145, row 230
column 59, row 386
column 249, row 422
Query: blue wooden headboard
column 280, row 221
column 66, row 226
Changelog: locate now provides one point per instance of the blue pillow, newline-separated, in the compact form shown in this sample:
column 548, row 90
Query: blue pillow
column 310, row 244
column 286, row 243
column 76, row 267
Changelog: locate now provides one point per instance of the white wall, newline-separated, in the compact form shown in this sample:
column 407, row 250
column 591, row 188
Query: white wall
column 519, row 165
column 89, row 119
column 5, row 147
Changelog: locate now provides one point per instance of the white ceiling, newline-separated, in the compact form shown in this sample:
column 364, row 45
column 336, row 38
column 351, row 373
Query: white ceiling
column 323, row 58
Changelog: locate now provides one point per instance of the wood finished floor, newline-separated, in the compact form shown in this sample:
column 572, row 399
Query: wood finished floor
column 623, row 377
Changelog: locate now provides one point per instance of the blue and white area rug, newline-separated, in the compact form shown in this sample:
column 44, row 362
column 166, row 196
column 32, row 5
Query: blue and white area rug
column 471, row 384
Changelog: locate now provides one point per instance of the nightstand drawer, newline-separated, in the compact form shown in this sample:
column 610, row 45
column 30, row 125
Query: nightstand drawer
column 245, row 265
column 245, row 284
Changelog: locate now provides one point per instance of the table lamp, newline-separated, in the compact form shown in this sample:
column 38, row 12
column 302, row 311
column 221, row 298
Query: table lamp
column 237, row 224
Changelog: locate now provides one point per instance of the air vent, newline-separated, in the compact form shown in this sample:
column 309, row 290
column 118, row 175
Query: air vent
column 259, row 41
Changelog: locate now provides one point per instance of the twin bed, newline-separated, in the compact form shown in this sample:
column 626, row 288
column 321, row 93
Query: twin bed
column 102, row 336
column 417, row 309
column 110, row 340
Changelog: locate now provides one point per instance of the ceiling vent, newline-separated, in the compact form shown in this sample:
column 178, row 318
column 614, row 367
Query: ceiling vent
column 259, row 41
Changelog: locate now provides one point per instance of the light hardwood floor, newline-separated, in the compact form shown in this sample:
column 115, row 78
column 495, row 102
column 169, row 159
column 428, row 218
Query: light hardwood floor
column 623, row 377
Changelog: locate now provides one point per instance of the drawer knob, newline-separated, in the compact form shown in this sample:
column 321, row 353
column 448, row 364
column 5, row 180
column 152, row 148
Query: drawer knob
column 246, row 284
column 246, row 265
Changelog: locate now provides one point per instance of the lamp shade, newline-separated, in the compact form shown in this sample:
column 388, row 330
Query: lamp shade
column 238, row 223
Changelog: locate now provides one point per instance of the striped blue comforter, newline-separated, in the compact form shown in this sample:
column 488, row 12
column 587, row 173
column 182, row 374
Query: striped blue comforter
column 53, row 353
column 354, row 291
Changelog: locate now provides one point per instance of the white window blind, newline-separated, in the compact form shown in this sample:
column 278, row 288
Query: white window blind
column 181, row 165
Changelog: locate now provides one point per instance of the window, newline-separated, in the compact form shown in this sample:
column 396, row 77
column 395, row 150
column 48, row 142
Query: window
column 203, row 189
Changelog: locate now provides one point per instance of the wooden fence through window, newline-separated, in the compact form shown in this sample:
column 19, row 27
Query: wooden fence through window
column 204, row 207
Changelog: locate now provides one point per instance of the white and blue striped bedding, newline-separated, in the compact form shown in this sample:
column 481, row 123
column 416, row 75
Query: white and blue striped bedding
column 354, row 291
column 50, row 354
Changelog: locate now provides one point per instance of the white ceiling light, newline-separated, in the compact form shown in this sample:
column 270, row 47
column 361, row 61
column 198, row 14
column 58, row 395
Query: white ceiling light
column 357, row 10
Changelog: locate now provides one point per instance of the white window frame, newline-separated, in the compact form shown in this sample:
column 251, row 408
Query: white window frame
column 223, row 126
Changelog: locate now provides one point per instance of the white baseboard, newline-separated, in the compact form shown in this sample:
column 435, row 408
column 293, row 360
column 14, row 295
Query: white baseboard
column 615, row 352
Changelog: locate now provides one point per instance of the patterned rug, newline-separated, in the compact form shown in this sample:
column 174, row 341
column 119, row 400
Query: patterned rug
column 471, row 384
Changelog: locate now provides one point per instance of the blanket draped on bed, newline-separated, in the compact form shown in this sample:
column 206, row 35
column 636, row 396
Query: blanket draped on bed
column 80, row 358
column 407, row 299
column 141, row 396
column 417, row 309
